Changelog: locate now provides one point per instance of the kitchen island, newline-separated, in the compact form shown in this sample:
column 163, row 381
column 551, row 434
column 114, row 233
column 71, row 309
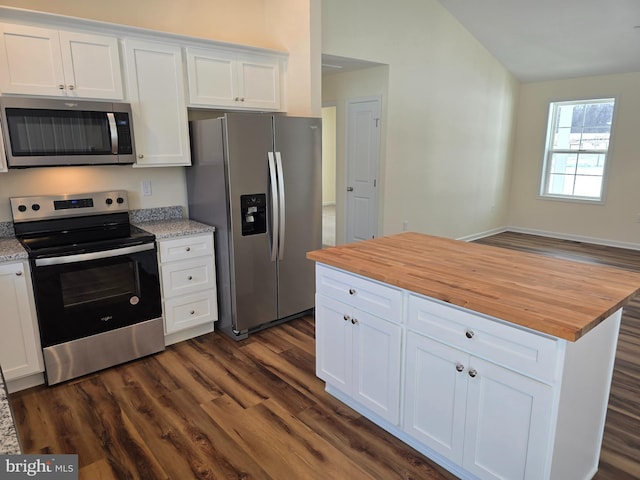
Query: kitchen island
column 494, row 363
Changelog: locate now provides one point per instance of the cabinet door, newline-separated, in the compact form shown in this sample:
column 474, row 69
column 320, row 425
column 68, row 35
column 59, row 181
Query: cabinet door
column 91, row 65
column 259, row 80
column 20, row 353
column 376, row 364
column 435, row 395
column 333, row 343
column 158, row 103
column 212, row 78
column 507, row 425
column 30, row 61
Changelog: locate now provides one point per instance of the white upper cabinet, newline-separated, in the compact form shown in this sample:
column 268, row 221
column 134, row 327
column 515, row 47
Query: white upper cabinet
column 156, row 92
column 242, row 81
column 41, row 61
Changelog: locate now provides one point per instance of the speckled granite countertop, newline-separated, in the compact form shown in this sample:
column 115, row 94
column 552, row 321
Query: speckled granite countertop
column 9, row 443
column 164, row 229
column 10, row 250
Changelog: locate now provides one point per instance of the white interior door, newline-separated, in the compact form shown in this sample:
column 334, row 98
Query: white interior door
column 362, row 159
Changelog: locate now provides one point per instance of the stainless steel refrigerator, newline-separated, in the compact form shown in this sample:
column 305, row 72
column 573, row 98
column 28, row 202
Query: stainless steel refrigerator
column 257, row 179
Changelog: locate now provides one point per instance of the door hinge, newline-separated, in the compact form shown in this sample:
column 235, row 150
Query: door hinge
column 377, row 122
column 375, row 182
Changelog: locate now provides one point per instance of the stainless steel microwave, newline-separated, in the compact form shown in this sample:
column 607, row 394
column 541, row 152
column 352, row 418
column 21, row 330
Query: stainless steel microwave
column 49, row 132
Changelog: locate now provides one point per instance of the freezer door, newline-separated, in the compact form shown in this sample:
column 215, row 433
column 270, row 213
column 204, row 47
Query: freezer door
column 298, row 145
column 249, row 140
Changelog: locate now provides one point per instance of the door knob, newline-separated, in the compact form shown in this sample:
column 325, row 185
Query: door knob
column 349, row 189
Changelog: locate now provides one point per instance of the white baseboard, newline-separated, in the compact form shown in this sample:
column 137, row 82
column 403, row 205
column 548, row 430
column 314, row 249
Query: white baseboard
column 558, row 235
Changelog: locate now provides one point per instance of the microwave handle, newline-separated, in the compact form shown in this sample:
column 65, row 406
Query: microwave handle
column 113, row 129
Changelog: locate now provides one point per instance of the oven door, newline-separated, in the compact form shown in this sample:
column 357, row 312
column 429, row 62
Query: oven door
column 84, row 294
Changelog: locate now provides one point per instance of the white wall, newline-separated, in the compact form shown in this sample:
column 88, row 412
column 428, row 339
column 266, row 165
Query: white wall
column 451, row 107
column 616, row 219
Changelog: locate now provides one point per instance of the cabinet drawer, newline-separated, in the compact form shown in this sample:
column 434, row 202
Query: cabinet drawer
column 527, row 352
column 190, row 310
column 185, row 248
column 370, row 296
column 188, row 276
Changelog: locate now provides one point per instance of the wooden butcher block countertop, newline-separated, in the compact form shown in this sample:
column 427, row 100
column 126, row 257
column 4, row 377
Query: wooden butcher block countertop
column 561, row 298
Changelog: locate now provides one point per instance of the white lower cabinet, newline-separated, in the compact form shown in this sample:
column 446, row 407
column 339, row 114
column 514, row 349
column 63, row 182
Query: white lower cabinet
column 189, row 299
column 492, row 421
column 20, row 353
column 484, row 398
column 359, row 354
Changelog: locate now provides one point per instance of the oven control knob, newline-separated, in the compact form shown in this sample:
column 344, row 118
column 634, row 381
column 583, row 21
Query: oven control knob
column 109, row 201
column 120, row 200
column 22, row 208
column 35, row 207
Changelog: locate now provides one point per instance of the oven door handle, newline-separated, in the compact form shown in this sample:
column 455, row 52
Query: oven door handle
column 84, row 257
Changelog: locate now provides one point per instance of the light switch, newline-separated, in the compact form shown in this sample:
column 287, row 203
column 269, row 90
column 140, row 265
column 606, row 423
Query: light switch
column 146, row 188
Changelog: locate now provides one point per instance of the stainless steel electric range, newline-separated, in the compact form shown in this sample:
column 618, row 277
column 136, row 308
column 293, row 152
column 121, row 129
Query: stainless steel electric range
column 95, row 280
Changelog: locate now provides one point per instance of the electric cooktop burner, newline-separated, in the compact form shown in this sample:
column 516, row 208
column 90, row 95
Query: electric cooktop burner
column 61, row 224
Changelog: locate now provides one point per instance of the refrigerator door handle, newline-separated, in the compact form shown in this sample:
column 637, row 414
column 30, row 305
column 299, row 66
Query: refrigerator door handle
column 275, row 220
column 281, row 207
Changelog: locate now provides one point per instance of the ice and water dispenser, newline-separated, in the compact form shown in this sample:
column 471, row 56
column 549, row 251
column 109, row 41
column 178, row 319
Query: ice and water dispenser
column 254, row 213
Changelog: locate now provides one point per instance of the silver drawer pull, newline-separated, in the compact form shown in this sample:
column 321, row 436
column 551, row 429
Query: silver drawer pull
column 469, row 333
column 192, row 312
column 352, row 291
column 459, row 367
column 189, row 278
column 188, row 249
column 473, row 372
column 346, row 318
column 354, row 321
column 19, row 274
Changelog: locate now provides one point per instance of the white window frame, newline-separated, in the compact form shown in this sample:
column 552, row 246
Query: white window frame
column 549, row 151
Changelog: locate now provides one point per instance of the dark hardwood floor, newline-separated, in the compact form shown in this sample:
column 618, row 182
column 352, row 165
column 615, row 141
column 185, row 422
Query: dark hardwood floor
column 212, row 408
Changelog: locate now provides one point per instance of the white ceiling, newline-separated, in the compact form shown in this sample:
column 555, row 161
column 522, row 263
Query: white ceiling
column 541, row 40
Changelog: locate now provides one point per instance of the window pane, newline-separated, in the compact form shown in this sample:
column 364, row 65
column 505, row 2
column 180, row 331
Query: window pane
column 564, row 163
column 588, row 186
column 560, row 184
column 590, row 164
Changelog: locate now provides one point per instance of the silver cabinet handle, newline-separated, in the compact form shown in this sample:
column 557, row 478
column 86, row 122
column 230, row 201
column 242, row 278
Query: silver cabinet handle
column 459, row 367
column 60, row 87
column 71, row 87
column 346, row 318
column 140, row 155
column 352, row 291
column 188, row 249
column 349, row 189
column 354, row 321
column 189, row 277
column 192, row 312
column 19, row 274
column 473, row 372
column 469, row 333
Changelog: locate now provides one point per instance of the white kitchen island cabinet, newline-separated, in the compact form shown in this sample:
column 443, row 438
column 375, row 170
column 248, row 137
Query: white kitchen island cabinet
column 499, row 378
column 43, row 61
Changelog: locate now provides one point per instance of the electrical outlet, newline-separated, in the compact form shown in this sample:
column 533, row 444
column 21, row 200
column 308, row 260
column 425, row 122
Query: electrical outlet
column 146, row 188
